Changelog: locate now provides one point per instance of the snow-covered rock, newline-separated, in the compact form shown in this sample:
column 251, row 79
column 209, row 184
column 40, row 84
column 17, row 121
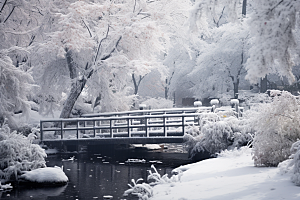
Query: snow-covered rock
column 45, row 175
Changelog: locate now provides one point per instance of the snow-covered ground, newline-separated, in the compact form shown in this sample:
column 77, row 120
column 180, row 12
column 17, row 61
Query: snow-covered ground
column 230, row 176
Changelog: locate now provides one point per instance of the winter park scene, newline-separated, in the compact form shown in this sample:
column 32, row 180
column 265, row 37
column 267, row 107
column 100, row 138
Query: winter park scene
column 150, row 99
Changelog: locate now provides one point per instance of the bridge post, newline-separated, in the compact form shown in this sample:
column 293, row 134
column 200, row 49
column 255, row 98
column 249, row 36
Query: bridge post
column 61, row 129
column 77, row 131
column 41, row 130
column 94, row 124
column 146, row 127
column 183, row 124
column 128, row 127
column 110, row 128
column 165, row 130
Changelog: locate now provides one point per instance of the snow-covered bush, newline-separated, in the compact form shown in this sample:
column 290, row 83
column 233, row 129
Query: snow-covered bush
column 155, row 178
column 277, row 128
column 295, row 150
column 217, row 132
column 142, row 190
column 17, row 153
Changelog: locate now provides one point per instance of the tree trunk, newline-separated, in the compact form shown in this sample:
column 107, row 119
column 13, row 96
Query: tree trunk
column 236, row 90
column 136, row 86
column 263, row 84
column 76, row 89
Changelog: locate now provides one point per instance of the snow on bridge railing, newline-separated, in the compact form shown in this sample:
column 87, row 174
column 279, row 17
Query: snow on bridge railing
column 150, row 112
column 165, row 125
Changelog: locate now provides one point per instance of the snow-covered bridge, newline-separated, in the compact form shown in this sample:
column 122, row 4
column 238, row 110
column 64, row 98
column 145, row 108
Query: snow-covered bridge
column 132, row 127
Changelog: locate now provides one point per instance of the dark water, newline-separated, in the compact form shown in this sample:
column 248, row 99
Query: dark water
column 94, row 175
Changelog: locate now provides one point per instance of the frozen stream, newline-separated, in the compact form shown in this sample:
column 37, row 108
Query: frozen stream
column 94, row 175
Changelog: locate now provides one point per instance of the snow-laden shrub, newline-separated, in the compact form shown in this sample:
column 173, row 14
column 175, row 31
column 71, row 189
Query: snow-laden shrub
column 155, row 178
column 17, row 153
column 217, row 132
column 277, row 128
column 142, row 190
column 295, row 151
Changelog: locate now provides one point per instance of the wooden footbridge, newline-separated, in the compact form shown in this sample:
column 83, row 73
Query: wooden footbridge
column 132, row 127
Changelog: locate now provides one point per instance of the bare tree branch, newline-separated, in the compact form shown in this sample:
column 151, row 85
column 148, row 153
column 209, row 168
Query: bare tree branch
column 276, row 5
column 87, row 28
column 116, row 45
column 100, row 43
column 3, row 6
column 134, row 6
column 9, row 14
column 217, row 22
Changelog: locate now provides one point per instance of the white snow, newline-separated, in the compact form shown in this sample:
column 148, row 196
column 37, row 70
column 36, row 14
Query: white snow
column 230, row 176
column 214, row 102
column 45, row 175
column 142, row 106
column 197, row 103
column 234, row 101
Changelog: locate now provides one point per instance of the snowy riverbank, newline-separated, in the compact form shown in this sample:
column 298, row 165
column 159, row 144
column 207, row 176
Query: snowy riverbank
column 230, row 176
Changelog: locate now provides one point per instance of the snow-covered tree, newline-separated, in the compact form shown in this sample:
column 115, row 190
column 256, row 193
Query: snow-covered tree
column 274, row 34
column 220, row 65
column 217, row 48
column 275, row 44
column 15, row 85
column 103, row 44
column 19, row 28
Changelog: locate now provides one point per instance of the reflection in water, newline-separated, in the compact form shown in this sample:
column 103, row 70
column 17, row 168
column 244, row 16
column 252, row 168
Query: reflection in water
column 92, row 176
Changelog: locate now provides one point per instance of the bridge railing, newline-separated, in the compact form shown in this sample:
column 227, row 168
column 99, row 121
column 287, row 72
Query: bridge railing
column 165, row 125
column 148, row 112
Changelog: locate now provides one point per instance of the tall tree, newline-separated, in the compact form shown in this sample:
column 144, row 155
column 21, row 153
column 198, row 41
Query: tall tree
column 19, row 27
column 222, row 48
column 102, row 44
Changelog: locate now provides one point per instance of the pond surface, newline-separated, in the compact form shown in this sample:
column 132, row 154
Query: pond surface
column 95, row 175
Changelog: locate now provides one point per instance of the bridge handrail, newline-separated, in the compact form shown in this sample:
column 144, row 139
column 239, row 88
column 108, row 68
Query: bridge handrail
column 155, row 111
column 146, row 124
column 119, row 118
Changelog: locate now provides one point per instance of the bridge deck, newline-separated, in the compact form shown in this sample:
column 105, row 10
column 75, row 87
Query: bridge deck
column 121, row 140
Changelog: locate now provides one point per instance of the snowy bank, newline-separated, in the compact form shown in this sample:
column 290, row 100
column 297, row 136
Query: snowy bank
column 52, row 175
column 230, row 176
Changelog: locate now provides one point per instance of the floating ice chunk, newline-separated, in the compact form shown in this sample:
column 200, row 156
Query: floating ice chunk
column 135, row 161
